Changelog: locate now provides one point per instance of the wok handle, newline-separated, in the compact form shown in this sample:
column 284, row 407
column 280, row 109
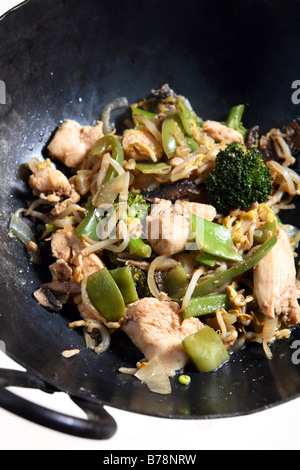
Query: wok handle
column 98, row 425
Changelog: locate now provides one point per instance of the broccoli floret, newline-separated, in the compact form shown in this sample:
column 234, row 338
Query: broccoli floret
column 138, row 207
column 141, row 282
column 238, row 179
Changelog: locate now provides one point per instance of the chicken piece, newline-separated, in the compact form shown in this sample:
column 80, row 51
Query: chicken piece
column 168, row 225
column 54, row 185
column 72, row 142
column 62, row 206
column 61, row 271
column 220, row 132
column 141, row 145
column 157, row 329
column 66, row 246
column 48, row 179
column 275, row 285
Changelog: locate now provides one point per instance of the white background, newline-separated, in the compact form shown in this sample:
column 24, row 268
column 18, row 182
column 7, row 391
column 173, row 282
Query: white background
column 275, row 429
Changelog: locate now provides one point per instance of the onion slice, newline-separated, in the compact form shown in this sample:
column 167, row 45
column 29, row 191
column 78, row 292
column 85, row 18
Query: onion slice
column 269, row 329
column 154, row 376
column 24, row 234
column 162, row 263
column 104, row 333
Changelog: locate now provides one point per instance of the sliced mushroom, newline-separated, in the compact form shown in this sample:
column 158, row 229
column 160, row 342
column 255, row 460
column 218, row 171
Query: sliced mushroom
column 253, row 137
column 163, row 92
column 183, row 189
column 54, row 295
column 290, row 133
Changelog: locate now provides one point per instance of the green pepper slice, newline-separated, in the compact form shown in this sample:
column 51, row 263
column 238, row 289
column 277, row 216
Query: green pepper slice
column 124, row 280
column 205, row 349
column 88, row 225
column 105, row 295
column 111, row 144
column 175, row 280
column 136, row 112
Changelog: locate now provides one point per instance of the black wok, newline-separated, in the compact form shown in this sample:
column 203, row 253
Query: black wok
column 65, row 59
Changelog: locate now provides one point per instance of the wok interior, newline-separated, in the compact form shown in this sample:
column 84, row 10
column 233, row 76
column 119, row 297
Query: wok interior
column 66, row 60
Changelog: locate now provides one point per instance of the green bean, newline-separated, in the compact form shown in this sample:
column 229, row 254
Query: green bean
column 138, row 247
column 209, row 284
column 146, row 168
column 214, row 239
column 205, row 305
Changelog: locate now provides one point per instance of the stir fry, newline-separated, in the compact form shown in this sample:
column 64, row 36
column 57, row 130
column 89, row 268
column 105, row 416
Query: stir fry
column 169, row 231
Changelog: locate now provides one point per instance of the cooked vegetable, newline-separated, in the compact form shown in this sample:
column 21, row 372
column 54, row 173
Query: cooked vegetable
column 209, row 284
column 153, row 374
column 141, row 282
column 107, row 110
column 89, row 224
column 234, row 119
column 205, row 258
column 105, row 295
column 184, row 379
column 205, row 349
column 175, row 280
column 173, row 135
column 138, row 208
column 25, row 235
column 146, row 168
column 261, row 234
column 136, row 112
column 205, row 305
column 188, row 118
column 124, row 280
column 239, row 178
column 214, row 239
column 138, row 247
column 184, row 189
column 111, row 144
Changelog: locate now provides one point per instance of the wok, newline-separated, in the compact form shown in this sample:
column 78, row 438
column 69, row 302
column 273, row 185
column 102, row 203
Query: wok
column 67, row 58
